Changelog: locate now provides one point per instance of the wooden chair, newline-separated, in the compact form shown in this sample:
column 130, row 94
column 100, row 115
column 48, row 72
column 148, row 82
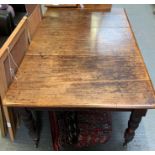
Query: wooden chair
column 15, row 47
column 12, row 53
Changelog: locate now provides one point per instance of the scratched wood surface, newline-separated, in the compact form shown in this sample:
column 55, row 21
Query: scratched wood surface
column 82, row 59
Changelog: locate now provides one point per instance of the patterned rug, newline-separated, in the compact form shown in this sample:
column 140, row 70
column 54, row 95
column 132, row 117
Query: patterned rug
column 80, row 128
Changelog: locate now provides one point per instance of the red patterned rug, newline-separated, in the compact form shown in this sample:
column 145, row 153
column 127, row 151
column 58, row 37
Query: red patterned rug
column 80, row 128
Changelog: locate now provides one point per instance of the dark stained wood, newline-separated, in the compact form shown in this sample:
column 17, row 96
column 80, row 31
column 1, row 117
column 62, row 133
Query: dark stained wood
column 134, row 121
column 80, row 59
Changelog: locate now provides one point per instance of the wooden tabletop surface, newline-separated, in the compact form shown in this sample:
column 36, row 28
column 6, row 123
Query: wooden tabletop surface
column 82, row 59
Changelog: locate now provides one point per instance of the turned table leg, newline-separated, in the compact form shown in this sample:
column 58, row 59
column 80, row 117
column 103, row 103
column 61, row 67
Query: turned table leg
column 134, row 121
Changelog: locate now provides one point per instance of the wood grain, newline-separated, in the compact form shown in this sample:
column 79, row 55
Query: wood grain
column 18, row 53
column 81, row 59
column 3, row 126
column 30, row 8
column 105, row 41
column 34, row 19
column 83, row 19
column 95, row 7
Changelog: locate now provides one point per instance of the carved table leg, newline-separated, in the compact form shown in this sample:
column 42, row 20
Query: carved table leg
column 30, row 123
column 135, row 119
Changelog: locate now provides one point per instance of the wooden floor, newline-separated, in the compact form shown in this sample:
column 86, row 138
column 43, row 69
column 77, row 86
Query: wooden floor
column 145, row 137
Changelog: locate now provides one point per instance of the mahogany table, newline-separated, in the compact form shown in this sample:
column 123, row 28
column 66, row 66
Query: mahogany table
column 84, row 59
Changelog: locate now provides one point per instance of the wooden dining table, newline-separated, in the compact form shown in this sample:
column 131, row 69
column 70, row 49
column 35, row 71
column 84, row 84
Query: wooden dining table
column 82, row 59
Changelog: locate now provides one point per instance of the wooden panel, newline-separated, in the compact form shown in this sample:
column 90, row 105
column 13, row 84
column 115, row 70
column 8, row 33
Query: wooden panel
column 3, row 80
column 16, row 48
column 17, row 44
column 34, row 19
column 11, row 41
column 18, row 52
column 73, row 62
column 30, row 8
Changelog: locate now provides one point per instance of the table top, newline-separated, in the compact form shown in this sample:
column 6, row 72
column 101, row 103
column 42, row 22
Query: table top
column 82, row 59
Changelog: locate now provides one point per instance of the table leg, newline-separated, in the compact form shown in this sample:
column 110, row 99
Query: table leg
column 3, row 127
column 9, row 122
column 54, row 130
column 134, row 121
